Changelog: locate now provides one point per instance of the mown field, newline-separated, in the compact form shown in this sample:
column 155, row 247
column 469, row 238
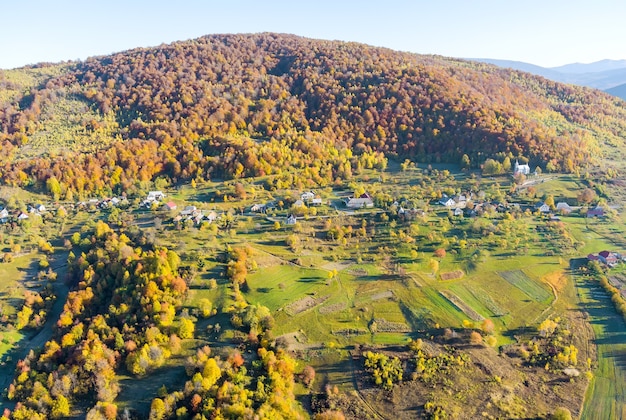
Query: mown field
column 606, row 396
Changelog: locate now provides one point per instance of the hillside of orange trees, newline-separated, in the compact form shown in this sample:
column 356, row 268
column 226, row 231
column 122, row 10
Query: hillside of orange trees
column 230, row 106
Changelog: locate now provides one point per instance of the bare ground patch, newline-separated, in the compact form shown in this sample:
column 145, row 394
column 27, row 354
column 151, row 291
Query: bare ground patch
column 382, row 295
column 382, row 325
column 335, row 307
column 358, row 271
column 339, row 266
column 303, row 304
column 452, row 275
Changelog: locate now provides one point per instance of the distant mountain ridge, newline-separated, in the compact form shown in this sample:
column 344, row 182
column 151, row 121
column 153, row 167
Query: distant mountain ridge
column 604, row 74
column 619, row 91
column 595, row 67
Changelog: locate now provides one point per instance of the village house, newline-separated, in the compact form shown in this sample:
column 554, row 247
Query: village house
column 211, row 217
column 198, row 217
column 409, row 214
column 447, row 201
column 189, row 211
column 307, row 196
column 291, row 220
column 317, row 201
column 155, row 196
column 363, row 201
column 542, row 207
column 593, row 257
column 37, row 209
column 258, row 208
column 458, row 211
column 4, row 216
column 598, row 211
column 563, row 207
column 169, row 206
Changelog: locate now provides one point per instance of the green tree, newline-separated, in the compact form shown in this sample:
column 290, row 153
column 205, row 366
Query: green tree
column 465, row 162
column 157, row 409
column 433, row 264
column 60, row 407
column 561, row 413
column 186, row 328
column 54, row 187
column 506, row 164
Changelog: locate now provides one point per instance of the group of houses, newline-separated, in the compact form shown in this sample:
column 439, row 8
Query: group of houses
column 460, row 206
column 189, row 214
column 608, row 258
column 7, row 216
column 310, row 198
column 195, row 215
column 457, row 202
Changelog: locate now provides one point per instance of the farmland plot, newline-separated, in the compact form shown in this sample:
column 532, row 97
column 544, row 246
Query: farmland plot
column 527, row 285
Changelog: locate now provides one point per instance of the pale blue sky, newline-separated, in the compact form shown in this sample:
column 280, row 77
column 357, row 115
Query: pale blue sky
column 543, row 32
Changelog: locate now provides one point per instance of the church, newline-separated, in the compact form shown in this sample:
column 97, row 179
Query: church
column 520, row 169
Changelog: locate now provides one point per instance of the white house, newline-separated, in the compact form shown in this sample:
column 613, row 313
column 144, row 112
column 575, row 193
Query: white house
column 542, row 207
column 188, row 211
column 447, row 201
column 258, row 208
column 521, row 169
column 155, row 196
column 307, row 196
column 364, row 200
column 291, row 220
column 212, row 216
column 563, row 207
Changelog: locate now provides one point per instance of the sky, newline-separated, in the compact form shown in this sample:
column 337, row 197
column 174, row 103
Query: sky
column 543, row 32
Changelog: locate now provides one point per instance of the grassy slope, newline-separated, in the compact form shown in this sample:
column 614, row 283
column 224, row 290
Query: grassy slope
column 606, row 396
column 357, row 293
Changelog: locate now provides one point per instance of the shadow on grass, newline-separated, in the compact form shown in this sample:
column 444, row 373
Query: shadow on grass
column 309, row 279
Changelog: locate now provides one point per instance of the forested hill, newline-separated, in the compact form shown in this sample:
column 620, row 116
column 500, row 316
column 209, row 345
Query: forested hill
column 242, row 105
